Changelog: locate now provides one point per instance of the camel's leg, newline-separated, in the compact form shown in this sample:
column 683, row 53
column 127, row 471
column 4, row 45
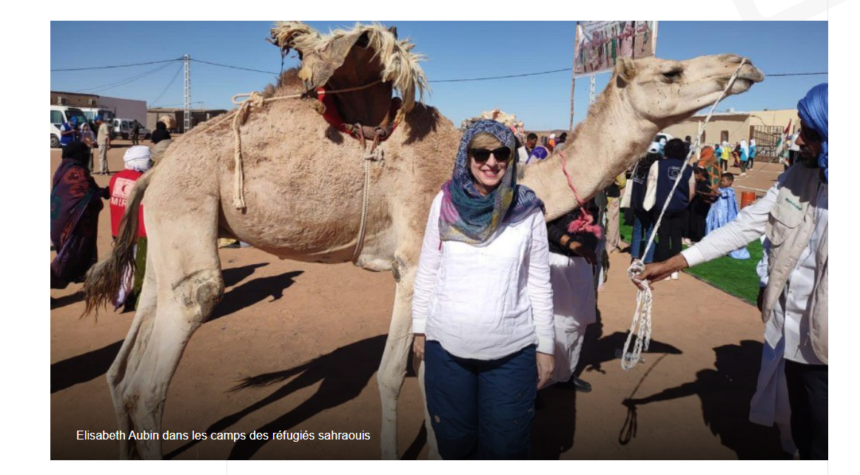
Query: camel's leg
column 138, row 336
column 189, row 285
column 392, row 368
column 433, row 453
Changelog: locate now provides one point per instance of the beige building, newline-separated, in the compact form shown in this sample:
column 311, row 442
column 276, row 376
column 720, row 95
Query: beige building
column 764, row 126
column 73, row 99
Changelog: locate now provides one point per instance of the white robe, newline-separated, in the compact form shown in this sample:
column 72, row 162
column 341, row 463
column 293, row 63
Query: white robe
column 574, row 308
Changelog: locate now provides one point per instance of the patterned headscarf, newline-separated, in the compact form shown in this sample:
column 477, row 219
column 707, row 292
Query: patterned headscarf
column 466, row 215
column 812, row 109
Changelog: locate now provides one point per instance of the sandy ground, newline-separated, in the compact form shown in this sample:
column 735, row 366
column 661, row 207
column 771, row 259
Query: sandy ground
column 313, row 336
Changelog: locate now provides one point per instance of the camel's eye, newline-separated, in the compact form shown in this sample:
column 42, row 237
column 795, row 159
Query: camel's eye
column 672, row 75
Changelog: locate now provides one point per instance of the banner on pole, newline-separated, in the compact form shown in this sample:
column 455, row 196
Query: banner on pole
column 600, row 43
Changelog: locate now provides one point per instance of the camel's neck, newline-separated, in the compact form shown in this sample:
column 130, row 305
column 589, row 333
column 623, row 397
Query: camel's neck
column 604, row 145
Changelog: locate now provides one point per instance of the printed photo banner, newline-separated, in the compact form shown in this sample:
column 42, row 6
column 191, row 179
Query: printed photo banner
column 600, row 43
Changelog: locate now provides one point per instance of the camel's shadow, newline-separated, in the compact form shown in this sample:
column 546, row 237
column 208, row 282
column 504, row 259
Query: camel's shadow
column 336, row 387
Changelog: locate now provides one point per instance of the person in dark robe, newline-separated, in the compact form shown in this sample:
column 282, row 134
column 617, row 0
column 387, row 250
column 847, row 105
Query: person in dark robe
column 75, row 206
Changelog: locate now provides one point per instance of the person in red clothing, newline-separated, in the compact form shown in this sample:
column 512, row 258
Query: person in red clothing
column 137, row 161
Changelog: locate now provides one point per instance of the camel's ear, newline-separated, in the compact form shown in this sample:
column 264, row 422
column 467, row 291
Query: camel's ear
column 393, row 30
column 626, row 69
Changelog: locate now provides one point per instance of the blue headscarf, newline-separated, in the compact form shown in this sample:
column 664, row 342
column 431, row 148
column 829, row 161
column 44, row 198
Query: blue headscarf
column 812, row 109
column 466, row 215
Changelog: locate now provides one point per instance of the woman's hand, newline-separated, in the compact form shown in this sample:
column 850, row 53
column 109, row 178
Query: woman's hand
column 418, row 346
column 545, row 367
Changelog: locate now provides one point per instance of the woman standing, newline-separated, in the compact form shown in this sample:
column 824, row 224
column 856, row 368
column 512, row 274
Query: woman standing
column 482, row 307
column 75, row 206
column 89, row 139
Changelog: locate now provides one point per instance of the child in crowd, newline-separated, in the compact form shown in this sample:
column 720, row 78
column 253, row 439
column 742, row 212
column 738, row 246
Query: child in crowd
column 725, row 210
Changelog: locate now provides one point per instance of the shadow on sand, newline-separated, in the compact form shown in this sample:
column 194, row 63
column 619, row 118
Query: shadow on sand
column 336, row 387
column 254, row 291
column 725, row 394
column 555, row 423
column 83, row 368
column 88, row 366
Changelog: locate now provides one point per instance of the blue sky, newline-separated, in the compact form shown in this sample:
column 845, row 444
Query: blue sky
column 454, row 50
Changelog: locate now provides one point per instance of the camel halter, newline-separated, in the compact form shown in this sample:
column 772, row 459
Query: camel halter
column 256, row 100
column 644, row 297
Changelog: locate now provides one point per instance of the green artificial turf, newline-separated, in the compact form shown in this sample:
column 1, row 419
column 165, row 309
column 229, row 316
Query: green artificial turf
column 735, row 277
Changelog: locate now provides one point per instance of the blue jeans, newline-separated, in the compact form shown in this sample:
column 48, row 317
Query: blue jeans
column 643, row 225
column 481, row 409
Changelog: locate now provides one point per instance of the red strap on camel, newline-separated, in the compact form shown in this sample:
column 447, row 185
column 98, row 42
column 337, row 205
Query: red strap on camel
column 333, row 117
column 585, row 222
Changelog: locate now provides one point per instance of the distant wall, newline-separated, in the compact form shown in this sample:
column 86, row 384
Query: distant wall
column 125, row 108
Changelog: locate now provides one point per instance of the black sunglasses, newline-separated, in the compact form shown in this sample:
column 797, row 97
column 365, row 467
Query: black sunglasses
column 481, row 155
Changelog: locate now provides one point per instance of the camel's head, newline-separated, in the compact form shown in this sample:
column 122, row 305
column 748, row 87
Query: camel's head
column 666, row 92
column 356, row 58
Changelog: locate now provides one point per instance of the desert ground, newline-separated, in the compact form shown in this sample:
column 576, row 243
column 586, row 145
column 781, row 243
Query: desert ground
column 311, row 337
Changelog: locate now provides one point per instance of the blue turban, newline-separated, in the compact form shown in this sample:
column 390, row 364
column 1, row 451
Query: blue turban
column 812, row 109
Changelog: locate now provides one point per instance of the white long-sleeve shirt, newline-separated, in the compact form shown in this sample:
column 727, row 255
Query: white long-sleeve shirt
column 485, row 302
column 790, row 319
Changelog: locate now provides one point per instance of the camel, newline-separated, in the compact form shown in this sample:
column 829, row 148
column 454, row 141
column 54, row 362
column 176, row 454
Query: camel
column 304, row 180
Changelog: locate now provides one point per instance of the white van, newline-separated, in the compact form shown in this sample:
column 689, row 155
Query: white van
column 122, row 128
column 107, row 115
column 60, row 114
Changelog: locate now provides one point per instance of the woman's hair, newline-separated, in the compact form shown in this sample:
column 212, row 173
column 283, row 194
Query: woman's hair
column 485, row 140
column 161, row 125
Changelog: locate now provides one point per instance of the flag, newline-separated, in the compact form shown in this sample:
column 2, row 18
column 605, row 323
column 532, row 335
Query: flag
column 783, row 139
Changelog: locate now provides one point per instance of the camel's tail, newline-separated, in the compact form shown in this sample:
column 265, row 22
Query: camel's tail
column 105, row 278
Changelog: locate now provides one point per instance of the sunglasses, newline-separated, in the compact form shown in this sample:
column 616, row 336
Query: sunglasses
column 481, row 155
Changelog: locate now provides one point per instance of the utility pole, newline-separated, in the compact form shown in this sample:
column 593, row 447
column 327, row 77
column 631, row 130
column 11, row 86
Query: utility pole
column 187, row 125
column 591, row 96
column 573, row 77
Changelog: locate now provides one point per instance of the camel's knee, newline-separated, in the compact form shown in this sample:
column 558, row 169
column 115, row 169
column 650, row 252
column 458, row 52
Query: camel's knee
column 201, row 292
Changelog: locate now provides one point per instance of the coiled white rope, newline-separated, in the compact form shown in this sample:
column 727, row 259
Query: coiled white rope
column 641, row 324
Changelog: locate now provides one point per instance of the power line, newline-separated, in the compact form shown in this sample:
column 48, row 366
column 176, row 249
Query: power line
column 116, row 65
column 503, row 77
column 233, row 67
column 489, row 78
column 570, row 69
column 794, row 74
column 125, row 81
column 171, row 105
column 172, row 80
